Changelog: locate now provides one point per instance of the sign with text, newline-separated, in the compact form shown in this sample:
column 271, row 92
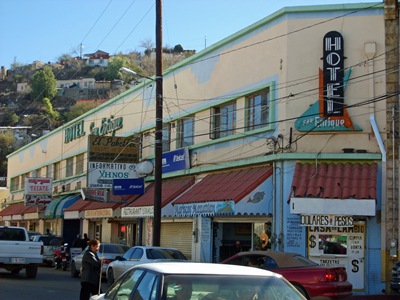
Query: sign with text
column 100, row 195
column 101, row 174
column 137, row 212
column 175, row 160
column 38, row 191
column 113, row 149
column 326, row 220
column 205, row 209
column 131, row 186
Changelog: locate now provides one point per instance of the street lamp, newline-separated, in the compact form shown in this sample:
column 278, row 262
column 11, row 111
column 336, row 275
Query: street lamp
column 129, row 71
column 157, row 151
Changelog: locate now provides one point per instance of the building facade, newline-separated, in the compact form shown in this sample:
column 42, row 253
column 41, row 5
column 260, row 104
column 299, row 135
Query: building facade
column 274, row 136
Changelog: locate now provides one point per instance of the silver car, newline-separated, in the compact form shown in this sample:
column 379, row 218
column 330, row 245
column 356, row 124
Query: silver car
column 107, row 253
column 205, row 281
column 139, row 255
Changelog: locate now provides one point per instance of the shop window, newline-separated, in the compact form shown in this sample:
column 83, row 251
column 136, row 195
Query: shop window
column 333, row 244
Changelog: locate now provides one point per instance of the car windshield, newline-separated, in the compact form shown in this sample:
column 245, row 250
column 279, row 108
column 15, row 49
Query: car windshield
column 221, row 287
column 164, row 254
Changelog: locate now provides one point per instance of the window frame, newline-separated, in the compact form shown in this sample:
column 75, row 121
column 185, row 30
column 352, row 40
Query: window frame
column 258, row 108
column 185, row 132
column 223, row 120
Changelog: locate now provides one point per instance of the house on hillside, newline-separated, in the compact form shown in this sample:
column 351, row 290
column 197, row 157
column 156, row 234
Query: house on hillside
column 99, row 58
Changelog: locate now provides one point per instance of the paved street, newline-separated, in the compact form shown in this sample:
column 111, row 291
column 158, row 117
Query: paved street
column 49, row 284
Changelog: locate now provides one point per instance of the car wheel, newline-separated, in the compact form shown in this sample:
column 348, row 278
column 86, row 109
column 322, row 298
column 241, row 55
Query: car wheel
column 301, row 290
column 110, row 277
column 74, row 272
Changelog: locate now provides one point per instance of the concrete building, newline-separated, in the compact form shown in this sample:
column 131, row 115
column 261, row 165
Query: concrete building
column 274, row 136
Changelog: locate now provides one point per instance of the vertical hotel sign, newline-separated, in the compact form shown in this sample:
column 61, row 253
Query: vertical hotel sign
column 333, row 70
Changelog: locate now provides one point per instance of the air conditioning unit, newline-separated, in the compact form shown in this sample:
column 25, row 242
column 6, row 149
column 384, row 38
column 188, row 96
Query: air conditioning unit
column 55, row 190
column 78, row 185
column 67, row 187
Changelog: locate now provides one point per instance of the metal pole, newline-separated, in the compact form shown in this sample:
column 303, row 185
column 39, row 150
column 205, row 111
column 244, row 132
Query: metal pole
column 159, row 128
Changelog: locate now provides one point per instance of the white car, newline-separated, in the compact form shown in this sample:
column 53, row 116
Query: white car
column 205, row 281
column 138, row 255
column 107, row 253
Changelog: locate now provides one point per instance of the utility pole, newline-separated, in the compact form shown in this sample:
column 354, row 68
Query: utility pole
column 159, row 129
column 390, row 243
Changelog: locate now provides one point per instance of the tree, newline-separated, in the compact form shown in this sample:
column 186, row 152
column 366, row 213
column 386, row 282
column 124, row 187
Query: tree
column 43, row 84
column 178, row 48
column 115, row 63
column 79, row 109
column 7, row 144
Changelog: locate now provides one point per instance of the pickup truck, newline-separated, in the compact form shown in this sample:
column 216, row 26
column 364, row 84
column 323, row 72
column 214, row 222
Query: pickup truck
column 17, row 252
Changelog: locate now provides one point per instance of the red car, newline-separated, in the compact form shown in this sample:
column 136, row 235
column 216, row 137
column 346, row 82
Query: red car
column 312, row 280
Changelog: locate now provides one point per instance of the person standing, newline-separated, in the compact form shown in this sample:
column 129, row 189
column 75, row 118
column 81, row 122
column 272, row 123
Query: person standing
column 85, row 241
column 91, row 270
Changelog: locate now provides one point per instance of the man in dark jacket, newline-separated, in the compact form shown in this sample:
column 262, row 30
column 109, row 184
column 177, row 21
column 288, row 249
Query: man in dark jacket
column 91, row 270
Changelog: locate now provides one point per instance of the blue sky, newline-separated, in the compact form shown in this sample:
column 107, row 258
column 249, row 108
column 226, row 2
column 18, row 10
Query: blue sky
column 46, row 29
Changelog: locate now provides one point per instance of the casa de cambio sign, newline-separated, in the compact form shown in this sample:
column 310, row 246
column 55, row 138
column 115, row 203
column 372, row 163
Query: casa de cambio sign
column 107, row 126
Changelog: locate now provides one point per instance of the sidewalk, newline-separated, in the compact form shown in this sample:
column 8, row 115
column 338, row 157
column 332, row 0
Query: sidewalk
column 375, row 297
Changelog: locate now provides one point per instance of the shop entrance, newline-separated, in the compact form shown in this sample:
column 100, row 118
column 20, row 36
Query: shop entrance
column 335, row 246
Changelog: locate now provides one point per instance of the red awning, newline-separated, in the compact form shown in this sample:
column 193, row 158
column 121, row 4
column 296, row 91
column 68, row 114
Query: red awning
column 171, row 188
column 78, row 206
column 335, row 180
column 226, row 186
column 13, row 209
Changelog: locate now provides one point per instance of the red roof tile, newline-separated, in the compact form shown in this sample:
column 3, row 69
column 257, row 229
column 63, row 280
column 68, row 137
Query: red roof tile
column 78, row 205
column 171, row 188
column 13, row 209
column 335, row 180
column 226, row 186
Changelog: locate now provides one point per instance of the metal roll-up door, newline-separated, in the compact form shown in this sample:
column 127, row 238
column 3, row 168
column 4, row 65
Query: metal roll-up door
column 177, row 235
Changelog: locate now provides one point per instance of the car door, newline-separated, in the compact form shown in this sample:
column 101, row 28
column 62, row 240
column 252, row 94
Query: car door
column 133, row 259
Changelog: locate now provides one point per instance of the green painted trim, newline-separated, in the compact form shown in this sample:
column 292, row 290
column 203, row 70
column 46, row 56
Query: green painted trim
column 269, row 159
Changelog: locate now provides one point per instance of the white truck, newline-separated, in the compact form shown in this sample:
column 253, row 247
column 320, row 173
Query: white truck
column 17, row 252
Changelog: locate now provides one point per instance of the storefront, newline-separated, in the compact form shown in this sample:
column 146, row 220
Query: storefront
column 348, row 192
column 175, row 233
column 229, row 206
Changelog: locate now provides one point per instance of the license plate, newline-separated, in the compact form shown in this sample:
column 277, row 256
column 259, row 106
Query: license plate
column 17, row 260
column 64, row 259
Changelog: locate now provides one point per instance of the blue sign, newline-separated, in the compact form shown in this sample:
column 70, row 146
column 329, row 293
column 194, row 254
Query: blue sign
column 175, row 160
column 130, row 186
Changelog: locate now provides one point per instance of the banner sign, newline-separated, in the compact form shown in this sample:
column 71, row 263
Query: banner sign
column 101, row 174
column 133, row 186
column 38, row 191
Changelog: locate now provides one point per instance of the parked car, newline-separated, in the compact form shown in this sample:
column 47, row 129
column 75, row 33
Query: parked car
column 31, row 234
column 395, row 280
column 49, row 242
column 206, row 281
column 107, row 252
column 311, row 279
column 138, row 255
